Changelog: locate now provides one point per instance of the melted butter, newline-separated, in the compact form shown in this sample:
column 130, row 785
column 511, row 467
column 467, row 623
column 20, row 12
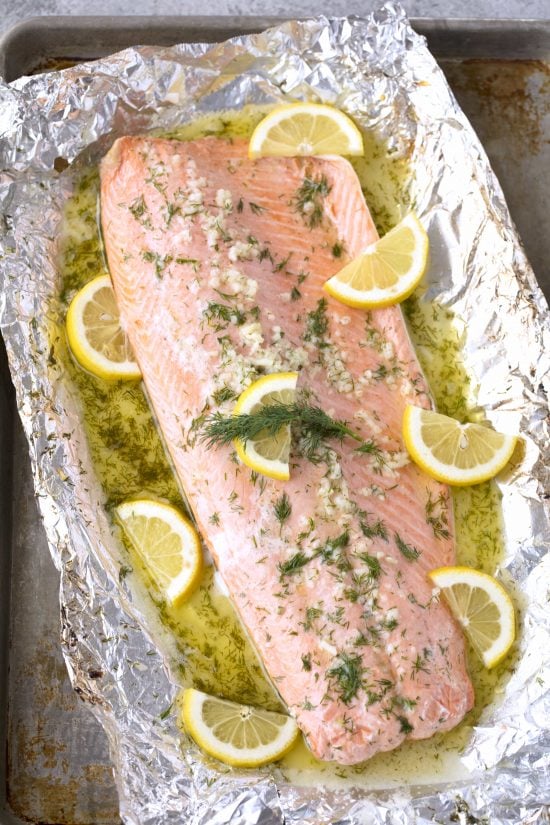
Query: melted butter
column 213, row 651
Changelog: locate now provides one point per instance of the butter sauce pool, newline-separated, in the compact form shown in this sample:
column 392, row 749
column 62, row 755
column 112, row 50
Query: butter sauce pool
column 212, row 650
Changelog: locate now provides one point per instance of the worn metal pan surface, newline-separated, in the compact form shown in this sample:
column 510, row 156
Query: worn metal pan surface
column 54, row 761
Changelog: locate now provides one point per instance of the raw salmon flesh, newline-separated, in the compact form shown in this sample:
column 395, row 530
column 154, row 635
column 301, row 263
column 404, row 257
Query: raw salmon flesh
column 218, row 264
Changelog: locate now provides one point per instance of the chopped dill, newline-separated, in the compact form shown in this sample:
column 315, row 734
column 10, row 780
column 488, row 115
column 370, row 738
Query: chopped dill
column 372, row 449
column 317, row 322
column 214, row 518
column 375, row 529
column 312, row 613
column 223, row 394
column 220, row 315
column 420, row 663
column 331, row 553
column 407, row 550
column 436, row 515
column 306, row 661
column 373, row 564
column 309, row 200
column 278, row 267
column 404, row 725
column 337, row 249
column 240, row 205
column 171, row 210
column 138, row 209
column 194, row 262
column 256, row 208
column 347, row 676
column 295, row 294
column 283, row 509
column 159, row 261
column 293, row 564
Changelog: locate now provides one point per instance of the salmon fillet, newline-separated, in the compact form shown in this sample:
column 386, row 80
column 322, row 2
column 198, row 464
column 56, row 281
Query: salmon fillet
column 218, row 264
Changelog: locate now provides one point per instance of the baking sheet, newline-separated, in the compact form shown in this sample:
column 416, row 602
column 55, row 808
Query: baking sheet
column 54, row 745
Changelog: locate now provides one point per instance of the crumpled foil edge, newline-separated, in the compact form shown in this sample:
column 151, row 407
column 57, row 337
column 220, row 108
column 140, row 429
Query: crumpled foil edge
column 380, row 71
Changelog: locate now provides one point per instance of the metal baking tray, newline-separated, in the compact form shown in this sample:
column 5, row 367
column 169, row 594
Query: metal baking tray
column 54, row 760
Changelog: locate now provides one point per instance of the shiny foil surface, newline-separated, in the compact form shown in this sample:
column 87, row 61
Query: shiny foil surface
column 380, row 72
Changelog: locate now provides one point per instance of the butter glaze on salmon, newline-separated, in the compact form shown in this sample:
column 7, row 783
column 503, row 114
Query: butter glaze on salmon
column 218, row 264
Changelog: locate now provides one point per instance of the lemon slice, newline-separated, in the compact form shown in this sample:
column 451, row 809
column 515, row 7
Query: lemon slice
column 455, row 453
column 483, row 608
column 267, row 454
column 95, row 335
column 387, row 271
column 305, row 129
column 238, row 735
column 167, row 544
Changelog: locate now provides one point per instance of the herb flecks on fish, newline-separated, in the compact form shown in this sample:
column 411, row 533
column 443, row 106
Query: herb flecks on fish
column 346, row 676
column 282, row 508
column 160, row 261
column 220, row 315
column 309, row 199
column 317, row 323
column 411, row 553
column 436, row 515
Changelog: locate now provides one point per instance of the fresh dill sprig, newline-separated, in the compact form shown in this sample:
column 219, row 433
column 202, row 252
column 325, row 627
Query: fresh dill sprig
column 283, row 509
column 314, row 424
column 407, row 550
column 256, row 208
column 347, row 676
column 309, row 199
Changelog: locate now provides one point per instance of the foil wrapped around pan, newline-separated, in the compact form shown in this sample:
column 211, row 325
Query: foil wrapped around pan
column 379, row 71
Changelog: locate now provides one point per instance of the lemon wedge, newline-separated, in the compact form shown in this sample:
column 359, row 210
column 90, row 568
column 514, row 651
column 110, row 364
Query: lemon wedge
column 305, row 129
column 167, row 544
column 266, row 453
column 387, row 271
column 483, row 608
column 95, row 336
column 459, row 454
column 238, row 735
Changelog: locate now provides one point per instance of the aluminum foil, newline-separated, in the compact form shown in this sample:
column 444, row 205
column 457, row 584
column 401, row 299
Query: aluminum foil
column 381, row 72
